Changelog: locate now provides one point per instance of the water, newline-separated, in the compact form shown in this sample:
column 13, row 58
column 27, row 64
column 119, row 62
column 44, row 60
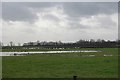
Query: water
column 40, row 52
column 107, row 55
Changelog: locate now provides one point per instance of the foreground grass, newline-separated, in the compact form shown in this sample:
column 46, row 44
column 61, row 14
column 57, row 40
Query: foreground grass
column 55, row 66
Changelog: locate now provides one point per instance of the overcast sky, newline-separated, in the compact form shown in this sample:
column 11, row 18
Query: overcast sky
column 65, row 21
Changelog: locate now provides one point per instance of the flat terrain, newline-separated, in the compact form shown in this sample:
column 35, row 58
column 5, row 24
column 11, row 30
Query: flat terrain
column 63, row 65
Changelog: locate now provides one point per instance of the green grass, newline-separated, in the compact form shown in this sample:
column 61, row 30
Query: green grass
column 62, row 65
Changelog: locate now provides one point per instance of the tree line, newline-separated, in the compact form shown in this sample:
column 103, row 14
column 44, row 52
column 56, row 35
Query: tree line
column 100, row 43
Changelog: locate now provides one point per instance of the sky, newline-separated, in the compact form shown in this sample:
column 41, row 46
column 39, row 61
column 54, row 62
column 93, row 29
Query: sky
column 58, row 21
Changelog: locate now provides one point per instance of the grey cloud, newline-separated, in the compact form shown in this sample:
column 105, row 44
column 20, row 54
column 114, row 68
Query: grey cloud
column 20, row 10
column 51, row 17
column 74, row 24
column 15, row 11
column 77, row 9
column 107, row 23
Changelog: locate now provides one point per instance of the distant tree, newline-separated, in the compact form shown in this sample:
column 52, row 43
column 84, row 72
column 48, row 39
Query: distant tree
column 11, row 43
column 108, row 41
column 103, row 41
column 80, row 41
column 99, row 40
column 38, row 42
column 59, row 42
column 92, row 40
column 118, row 41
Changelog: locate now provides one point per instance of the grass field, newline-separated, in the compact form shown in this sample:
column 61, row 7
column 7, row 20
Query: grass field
column 62, row 65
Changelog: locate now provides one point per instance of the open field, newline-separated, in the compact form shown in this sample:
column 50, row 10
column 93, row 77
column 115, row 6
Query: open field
column 63, row 65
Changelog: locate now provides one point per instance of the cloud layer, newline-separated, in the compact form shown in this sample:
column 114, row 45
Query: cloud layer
column 53, row 21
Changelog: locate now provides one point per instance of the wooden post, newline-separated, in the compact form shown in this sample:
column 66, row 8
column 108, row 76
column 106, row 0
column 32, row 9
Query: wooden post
column 74, row 77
